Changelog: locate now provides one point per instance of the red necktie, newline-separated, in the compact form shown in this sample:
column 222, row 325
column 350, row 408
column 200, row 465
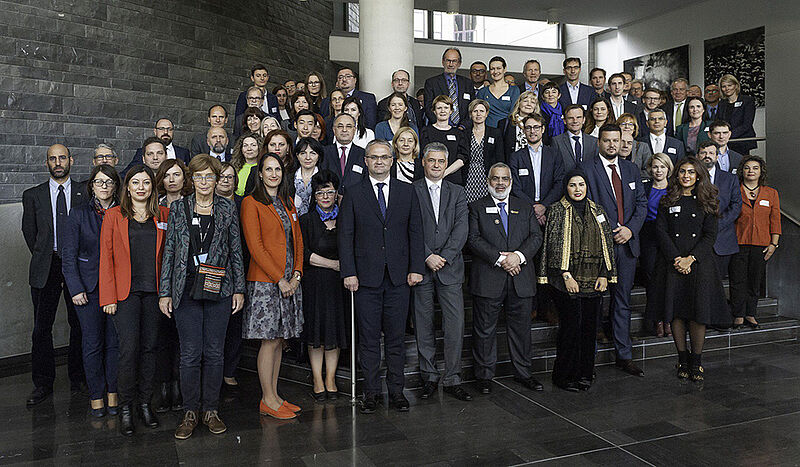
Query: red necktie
column 343, row 160
column 617, row 184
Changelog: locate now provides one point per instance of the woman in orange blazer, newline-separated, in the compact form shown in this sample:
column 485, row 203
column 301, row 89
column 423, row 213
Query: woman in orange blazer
column 274, row 310
column 129, row 288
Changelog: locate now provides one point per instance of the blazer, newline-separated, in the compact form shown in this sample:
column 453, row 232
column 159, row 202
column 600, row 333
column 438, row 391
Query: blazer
column 448, row 236
column 431, row 134
column 682, row 134
column 565, row 146
column 509, row 132
column 415, row 114
column 551, row 178
column 740, row 115
column 355, row 169
column 672, row 147
column 641, row 119
column 369, row 245
column 734, row 159
column 437, row 86
column 37, row 228
column 538, row 91
column 225, row 250
column 492, row 149
column 266, row 240
column 669, row 109
column 368, row 105
column 487, row 239
column 711, row 116
column 200, row 144
column 730, row 206
column 760, row 218
column 585, row 95
column 640, row 155
column 180, row 153
column 634, row 200
column 272, row 104
column 115, row 254
column 80, row 254
column 384, row 131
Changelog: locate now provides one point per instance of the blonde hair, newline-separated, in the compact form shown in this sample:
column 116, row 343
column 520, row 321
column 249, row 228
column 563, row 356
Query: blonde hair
column 514, row 114
column 727, row 78
column 477, row 102
column 442, row 98
column 399, row 132
column 664, row 159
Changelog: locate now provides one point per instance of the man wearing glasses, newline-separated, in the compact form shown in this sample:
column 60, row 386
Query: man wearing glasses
column 401, row 81
column 259, row 76
column 459, row 88
column 165, row 131
column 650, row 100
column 346, row 81
column 572, row 90
column 344, row 158
column 659, row 140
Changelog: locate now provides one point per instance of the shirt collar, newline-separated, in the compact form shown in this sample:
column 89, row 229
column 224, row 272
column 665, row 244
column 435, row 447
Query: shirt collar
column 375, row 181
column 577, row 86
column 339, row 147
column 430, row 183
column 607, row 162
column 298, row 175
column 721, row 154
column 535, row 151
column 711, row 172
column 54, row 184
column 497, row 201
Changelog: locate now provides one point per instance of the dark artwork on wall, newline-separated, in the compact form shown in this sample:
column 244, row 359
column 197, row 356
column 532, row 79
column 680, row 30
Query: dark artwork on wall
column 660, row 69
column 742, row 55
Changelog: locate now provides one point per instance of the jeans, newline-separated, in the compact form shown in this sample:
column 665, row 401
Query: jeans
column 100, row 347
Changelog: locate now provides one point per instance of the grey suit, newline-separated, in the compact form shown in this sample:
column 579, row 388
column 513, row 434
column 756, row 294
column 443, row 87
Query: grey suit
column 566, row 147
column 445, row 238
column 640, row 155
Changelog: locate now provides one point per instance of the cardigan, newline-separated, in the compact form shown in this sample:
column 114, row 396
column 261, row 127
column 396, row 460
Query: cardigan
column 266, row 240
column 760, row 218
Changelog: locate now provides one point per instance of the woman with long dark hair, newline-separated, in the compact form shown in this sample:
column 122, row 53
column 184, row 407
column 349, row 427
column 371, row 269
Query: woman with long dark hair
column 599, row 113
column 352, row 106
column 695, row 130
column 309, row 157
column 244, row 158
column 398, row 118
column 315, row 87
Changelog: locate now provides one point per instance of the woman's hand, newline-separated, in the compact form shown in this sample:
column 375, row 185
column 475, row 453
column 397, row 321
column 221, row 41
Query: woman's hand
column 286, row 288
column 238, row 303
column 110, row 309
column 571, row 284
column 80, row 299
column 601, row 284
column 683, row 264
column 165, row 305
column 768, row 252
column 335, row 265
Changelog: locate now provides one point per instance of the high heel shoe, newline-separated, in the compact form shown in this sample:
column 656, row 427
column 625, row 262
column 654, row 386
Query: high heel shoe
column 667, row 329
column 752, row 324
column 126, row 426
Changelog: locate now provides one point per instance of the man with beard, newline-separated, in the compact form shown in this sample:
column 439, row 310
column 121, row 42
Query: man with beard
column 217, row 118
column 730, row 205
column 504, row 237
column 45, row 209
column 217, row 140
column 164, row 130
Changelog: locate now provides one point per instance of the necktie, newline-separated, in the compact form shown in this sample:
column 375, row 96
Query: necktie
column 678, row 115
column 616, row 182
column 61, row 216
column 712, row 112
column 381, row 199
column 435, row 201
column 578, row 149
column 501, row 208
column 342, row 160
column 453, row 93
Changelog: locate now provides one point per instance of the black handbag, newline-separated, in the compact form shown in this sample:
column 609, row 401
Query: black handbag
column 208, row 278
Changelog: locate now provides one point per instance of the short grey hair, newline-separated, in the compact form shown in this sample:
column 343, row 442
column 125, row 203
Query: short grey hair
column 435, row 147
column 260, row 91
column 106, row 146
column 679, row 80
column 497, row 165
column 378, row 142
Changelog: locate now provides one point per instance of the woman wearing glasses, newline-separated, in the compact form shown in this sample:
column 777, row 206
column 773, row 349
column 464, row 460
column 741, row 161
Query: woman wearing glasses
column 202, row 284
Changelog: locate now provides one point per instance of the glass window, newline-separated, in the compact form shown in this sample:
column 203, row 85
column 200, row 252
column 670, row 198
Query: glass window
column 493, row 30
column 420, row 21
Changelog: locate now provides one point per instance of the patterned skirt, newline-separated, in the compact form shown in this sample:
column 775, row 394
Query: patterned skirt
column 270, row 316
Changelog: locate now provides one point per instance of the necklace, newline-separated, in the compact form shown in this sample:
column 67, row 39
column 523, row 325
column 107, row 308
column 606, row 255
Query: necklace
column 751, row 192
column 203, row 205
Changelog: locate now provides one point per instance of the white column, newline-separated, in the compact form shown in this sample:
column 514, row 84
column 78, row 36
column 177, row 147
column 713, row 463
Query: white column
column 385, row 43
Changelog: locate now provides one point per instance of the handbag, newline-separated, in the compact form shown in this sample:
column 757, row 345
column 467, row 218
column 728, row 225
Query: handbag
column 208, row 278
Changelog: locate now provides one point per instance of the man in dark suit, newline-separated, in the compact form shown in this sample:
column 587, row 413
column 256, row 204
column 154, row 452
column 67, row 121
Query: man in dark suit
column 254, row 99
column 504, row 238
column 217, row 118
column 217, row 141
column 626, row 93
column 572, row 90
column 164, row 130
column 344, row 158
column 574, row 145
column 658, row 140
column 730, row 205
column 636, row 91
column 459, row 88
column 712, row 102
column 597, row 80
column 400, row 83
column 105, row 153
column 616, row 86
column 269, row 102
column 720, row 132
column 45, row 209
column 380, row 246
column 537, row 170
column 445, row 225
column 675, row 107
column 346, row 81
column 477, row 74
column 650, row 100
column 531, row 71
column 154, row 153
column 615, row 183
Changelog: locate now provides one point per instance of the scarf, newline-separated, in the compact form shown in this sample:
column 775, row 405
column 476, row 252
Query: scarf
column 326, row 216
column 555, row 124
column 99, row 209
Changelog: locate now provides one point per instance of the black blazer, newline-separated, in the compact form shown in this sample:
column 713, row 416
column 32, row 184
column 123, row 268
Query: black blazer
column 414, row 109
column 509, row 134
column 669, row 109
column 368, row 105
column 551, row 178
column 370, row 244
column 200, row 144
column 80, row 254
column 487, row 239
column 37, row 228
column 355, row 170
column 492, row 149
column 437, row 86
column 673, row 147
column 740, row 115
column 272, row 104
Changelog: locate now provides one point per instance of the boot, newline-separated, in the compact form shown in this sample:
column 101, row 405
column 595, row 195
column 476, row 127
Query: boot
column 696, row 367
column 126, row 420
column 177, row 399
column 683, row 365
column 164, row 399
column 148, row 416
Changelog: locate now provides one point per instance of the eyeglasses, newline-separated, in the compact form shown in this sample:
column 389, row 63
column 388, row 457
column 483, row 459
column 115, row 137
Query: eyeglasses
column 103, row 183
column 104, row 157
column 204, row 178
column 651, row 99
column 452, row 60
column 400, row 80
column 225, row 178
column 631, row 124
column 325, row 194
column 164, row 128
column 344, row 127
column 572, row 67
column 379, row 158
column 347, row 76
column 656, row 119
column 533, row 127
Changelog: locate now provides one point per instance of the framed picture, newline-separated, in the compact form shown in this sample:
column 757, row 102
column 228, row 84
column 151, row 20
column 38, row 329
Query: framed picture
column 659, row 69
column 740, row 54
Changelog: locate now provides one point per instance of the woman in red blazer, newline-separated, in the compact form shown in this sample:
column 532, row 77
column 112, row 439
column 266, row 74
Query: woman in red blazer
column 129, row 288
column 274, row 310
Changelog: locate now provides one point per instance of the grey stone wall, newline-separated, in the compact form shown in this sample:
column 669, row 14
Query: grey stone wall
column 80, row 72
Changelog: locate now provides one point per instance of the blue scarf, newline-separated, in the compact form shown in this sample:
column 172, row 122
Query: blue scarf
column 555, row 125
column 326, row 216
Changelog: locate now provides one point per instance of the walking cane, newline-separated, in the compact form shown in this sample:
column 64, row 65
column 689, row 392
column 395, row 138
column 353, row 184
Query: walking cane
column 352, row 348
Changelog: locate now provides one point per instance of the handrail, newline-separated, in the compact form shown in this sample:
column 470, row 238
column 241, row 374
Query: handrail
column 754, row 138
column 790, row 217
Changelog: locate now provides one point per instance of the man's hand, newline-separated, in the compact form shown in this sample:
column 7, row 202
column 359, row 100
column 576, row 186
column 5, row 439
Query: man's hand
column 413, row 279
column 165, row 305
column 511, row 262
column 80, row 299
column 622, row 234
column 351, row 283
column 435, row 262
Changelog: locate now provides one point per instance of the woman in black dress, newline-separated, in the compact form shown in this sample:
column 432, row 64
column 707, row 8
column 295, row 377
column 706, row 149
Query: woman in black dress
column 323, row 294
column 442, row 132
column 692, row 296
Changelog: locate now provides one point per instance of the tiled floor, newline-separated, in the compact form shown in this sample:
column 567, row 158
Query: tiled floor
column 747, row 413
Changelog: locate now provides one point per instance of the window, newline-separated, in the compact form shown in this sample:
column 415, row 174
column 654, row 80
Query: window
column 420, row 20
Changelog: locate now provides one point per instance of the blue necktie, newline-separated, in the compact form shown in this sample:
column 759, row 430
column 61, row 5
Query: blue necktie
column 503, row 216
column 381, row 199
column 578, row 149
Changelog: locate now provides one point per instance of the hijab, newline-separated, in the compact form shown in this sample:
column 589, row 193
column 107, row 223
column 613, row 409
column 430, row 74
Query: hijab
column 579, row 206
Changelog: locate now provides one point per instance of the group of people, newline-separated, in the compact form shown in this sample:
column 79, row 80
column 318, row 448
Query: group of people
column 554, row 191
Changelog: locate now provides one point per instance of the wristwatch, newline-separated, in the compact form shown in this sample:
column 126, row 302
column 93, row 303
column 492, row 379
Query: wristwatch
column 297, row 276
column 774, row 244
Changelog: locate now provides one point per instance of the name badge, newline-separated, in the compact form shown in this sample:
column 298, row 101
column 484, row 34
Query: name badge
column 601, row 218
column 466, row 96
column 733, row 171
column 738, row 104
column 294, row 216
column 200, row 259
column 763, row 202
column 672, row 150
column 492, row 210
column 584, row 107
column 632, row 185
column 523, row 172
column 451, row 137
column 490, row 140
column 706, row 130
column 514, row 212
column 357, row 169
column 505, row 98
column 673, row 209
column 195, row 221
column 161, row 225
column 274, row 110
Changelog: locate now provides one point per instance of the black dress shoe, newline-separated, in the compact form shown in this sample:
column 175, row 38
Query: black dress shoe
column 399, row 402
column 148, row 416
column 458, row 392
column 177, row 398
column 126, row 420
column 428, row 390
column 629, row 367
column 369, row 404
column 321, row 396
column 38, row 395
column 485, row 386
column 530, row 383
column 332, row 395
column 164, row 399
column 584, row 384
column 571, row 387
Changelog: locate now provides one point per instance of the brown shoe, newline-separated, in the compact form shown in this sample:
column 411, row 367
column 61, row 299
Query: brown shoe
column 214, row 424
column 186, row 428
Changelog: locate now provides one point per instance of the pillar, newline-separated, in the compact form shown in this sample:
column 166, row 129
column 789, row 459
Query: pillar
column 385, row 43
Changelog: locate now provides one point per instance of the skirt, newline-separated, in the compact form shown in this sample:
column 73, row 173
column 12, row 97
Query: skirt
column 270, row 316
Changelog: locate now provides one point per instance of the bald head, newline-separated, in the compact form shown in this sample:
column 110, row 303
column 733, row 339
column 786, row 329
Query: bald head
column 217, row 139
column 59, row 162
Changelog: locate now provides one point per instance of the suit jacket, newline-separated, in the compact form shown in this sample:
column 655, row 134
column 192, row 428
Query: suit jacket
column 682, row 134
column 37, row 228
column 740, row 115
column 550, row 179
column 509, row 133
column 448, row 236
column 492, row 149
column 80, row 255
column 115, row 254
column 585, row 96
column 368, row 104
column 669, row 109
column 272, row 104
column 437, row 86
column 641, row 119
column 633, row 100
column 522, row 89
column 487, row 239
column 672, row 147
column 734, row 158
column 415, row 114
column 710, row 115
column 640, row 155
column 266, row 240
column 730, row 206
column 200, row 144
column 370, row 244
column 634, row 201
column 225, row 250
column 355, row 170
column 180, row 153
column 565, row 146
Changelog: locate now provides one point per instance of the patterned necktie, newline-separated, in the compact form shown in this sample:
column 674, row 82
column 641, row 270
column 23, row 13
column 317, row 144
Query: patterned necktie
column 435, row 201
column 616, row 182
column 343, row 160
column 453, row 93
column 501, row 209
column 381, row 199
column 679, row 115
column 578, row 149
column 61, row 216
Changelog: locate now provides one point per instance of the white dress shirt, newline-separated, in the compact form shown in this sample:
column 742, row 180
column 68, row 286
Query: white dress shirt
column 346, row 147
column 374, row 182
column 536, row 163
column 171, row 151
column 369, row 135
column 657, row 142
column 619, row 108
column 573, row 142
column 573, row 91
column 606, row 164
column 712, row 173
column 221, row 157
column 435, row 201
column 505, row 208
column 54, row 199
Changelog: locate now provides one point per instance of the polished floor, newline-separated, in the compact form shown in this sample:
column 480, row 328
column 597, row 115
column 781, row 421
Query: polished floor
column 746, row 413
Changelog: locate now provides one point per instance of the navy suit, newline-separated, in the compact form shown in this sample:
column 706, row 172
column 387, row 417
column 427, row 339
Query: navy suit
column 381, row 252
column 634, row 202
column 180, row 153
column 585, row 96
column 272, row 104
column 673, row 147
column 538, row 90
column 740, row 115
column 355, row 168
column 368, row 104
column 734, row 159
column 730, row 206
column 550, row 179
column 437, row 86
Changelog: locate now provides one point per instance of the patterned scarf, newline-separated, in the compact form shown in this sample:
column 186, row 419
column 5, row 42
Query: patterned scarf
column 555, row 124
column 326, row 216
column 99, row 209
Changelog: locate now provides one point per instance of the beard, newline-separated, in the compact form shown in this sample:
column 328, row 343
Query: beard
column 166, row 139
column 497, row 195
column 64, row 171
column 218, row 148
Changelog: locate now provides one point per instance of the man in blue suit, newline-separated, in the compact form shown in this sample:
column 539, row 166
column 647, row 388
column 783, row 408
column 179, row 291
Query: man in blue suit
column 537, row 170
column 381, row 246
column 658, row 139
column 346, row 80
column 730, row 205
column 260, row 77
column 164, row 130
column 572, row 90
column 615, row 184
